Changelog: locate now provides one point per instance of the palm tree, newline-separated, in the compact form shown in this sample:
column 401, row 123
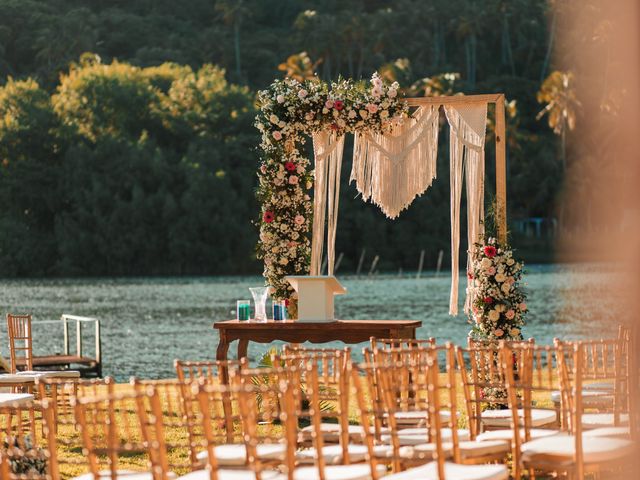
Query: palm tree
column 299, row 67
column 559, row 95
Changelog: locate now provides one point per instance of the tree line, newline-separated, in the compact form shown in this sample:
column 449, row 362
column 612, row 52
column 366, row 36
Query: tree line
column 140, row 157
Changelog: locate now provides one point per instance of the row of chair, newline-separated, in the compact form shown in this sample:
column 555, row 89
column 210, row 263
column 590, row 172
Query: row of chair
column 423, row 411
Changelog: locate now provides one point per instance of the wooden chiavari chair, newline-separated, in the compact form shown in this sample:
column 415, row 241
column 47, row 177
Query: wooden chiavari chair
column 179, row 422
column 606, row 386
column 531, row 375
column 415, row 385
column 332, row 366
column 576, row 453
column 21, row 349
column 119, row 424
column 462, row 449
column 22, row 456
column 333, row 394
column 485, row 392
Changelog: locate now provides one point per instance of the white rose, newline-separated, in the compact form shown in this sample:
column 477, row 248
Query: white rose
column 511, row 261
column 352, row 114
column 494, row 315
column 364, row 114
column 500, row 277
column 485, row 263
column 302, row 93
column 505, row 288
column 280, row 98
column 392, row 93
column 384, row 114
column 274, row 119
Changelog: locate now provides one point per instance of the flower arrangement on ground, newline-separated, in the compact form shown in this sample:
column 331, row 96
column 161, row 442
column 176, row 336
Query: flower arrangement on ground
column 498, row 305
column 289, row 112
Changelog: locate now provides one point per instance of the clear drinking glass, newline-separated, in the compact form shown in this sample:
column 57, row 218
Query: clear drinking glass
column 243, row 309
column 260, row 295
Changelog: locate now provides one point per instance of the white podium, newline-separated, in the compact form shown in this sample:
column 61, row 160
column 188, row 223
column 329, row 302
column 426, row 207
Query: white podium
column 315, row 297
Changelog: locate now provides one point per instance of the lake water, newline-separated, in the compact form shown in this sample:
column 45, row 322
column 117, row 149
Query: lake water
column 148, row 322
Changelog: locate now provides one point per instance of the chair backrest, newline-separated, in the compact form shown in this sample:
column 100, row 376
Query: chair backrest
column 60, row 391
column 22, row 456
column 331, row 367
column 212, row 370
column 386, row 343
column 20, row 341
column 411, row 387
column 178, row 418
column 118, row 424
column 483, row 381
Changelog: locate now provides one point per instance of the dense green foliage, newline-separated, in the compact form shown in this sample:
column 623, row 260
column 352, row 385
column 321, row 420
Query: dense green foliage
column 140, row 158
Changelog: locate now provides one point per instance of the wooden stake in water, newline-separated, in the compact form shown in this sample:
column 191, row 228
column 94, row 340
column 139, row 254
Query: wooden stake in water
column 374, row 264
column 439, row 266
column 361, row 261
column 335, row 268
column 420, row 264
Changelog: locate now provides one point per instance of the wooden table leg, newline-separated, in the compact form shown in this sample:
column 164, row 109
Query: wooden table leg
column 221, row 355
column 243, row 344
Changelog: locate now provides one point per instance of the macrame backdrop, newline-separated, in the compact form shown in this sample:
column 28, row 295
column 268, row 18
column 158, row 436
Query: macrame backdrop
column 392, row 169
column 467, row 135
column 327, row 149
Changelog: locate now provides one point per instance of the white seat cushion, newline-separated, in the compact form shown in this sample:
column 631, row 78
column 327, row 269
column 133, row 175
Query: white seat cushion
column 562, row 448
column 611, row 432
column 502, row 418
column 454, row 472
column 418, row 417
column 589, row 397
column 15, row 399
column 468, row 449
column 121, row 475
column 416, row 436
column 331, row 431
column 507, row 434
column 235, row 455
column 332, row 454
column 50, row 373
column 599, row 420
column 358, row 471
column 232, row 474
column 14, row 378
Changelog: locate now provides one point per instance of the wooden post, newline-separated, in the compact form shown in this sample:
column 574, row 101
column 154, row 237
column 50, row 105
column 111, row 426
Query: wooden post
column 360, row 262
column 338, row 262
column 501, row 171
column 420, row 264
column 374, row 264
column 439, row 265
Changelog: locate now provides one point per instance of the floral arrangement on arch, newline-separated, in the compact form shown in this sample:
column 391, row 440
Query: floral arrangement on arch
column 290, row 111
column 498, row 305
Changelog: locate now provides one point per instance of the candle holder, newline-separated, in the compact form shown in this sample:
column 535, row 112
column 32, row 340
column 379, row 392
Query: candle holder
column 260, row 295
column 243, row 310
column 279, row 310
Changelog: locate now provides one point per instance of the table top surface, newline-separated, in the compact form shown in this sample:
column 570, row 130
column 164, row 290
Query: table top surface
column 336, row 324
column 11, row 399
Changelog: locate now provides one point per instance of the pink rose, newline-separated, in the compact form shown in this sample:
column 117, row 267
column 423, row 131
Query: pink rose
column 491, row 270
column 263, row 169
column 299, row 219
column 498, row 332
column 510, row 314
column 523, row 307
column 328, row 104
column 302, row 93
column 293, row 180
column 392, row 93
column 372, row 108
column 277, row 135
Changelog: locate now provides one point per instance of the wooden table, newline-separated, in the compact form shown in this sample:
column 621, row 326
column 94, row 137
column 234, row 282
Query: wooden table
column 347, row 331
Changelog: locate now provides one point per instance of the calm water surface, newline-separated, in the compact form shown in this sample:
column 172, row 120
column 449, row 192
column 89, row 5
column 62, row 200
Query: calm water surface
column 148, row 322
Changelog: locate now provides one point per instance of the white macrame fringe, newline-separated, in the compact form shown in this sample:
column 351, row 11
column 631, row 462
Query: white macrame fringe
column 327, row 148
column 392, row 169
column 467, row 134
